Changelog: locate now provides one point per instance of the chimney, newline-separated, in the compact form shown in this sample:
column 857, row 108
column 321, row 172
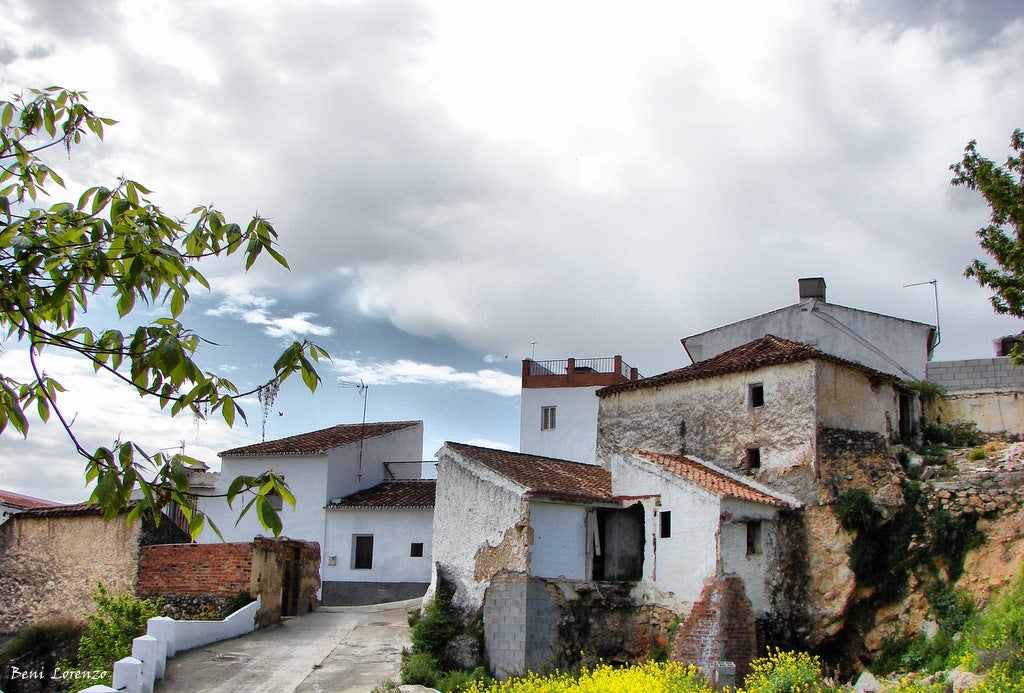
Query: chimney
column 812, row 287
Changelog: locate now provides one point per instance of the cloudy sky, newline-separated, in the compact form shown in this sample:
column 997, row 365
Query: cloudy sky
column 459, row 185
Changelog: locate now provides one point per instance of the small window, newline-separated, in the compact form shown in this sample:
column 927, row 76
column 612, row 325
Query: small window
column 665, row 519
column 753, row 458
column 753, row 537
column 756, row 395
column 362, row 551
column 547, row 418
column 416, row 549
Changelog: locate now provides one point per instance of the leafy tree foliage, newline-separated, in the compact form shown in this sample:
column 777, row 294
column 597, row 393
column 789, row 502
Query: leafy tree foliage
column 113, row 241
column 1003, row 238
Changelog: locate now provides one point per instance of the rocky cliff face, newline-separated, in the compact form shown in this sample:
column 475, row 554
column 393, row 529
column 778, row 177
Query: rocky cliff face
column 881, row 547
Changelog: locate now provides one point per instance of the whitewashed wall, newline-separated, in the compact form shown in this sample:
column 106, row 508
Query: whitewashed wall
column 753, row 568
column 393, row 530
column 476, row 513
column 345, row 475
column 306, row 477
column 674, row 568
column 575, row 434
column 848, row 400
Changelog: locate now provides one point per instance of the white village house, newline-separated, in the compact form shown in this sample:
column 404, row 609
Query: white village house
column 359, row 494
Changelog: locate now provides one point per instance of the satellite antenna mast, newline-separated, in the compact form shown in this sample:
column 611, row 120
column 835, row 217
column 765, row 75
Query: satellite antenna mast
column 938, row 329
column 363, row 390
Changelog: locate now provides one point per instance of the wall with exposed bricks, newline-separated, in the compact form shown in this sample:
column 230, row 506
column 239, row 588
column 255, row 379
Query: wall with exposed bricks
column 196, row 569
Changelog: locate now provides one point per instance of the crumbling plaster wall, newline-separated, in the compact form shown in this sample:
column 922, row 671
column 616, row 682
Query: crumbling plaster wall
column 847, row 398
column 720, row 425
column 757, row 568
column 481, row 527
column 992, row 411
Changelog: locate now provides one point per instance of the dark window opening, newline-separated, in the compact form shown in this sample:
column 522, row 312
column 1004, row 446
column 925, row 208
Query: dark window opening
column 903, row 422
column 757, row 395
column 753, row 537
column 753, row 458
column 665, row 518
column 416, row 549
column 362, row 551
column 619, row 545
column 547, row 418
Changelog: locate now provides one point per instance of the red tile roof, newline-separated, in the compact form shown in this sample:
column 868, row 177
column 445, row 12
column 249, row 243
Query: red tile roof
column 543, row 476
column 403, row 493
column 712, row 479
column 24, row 502
column 766, row 351
column 86, row 508
column 319, row 442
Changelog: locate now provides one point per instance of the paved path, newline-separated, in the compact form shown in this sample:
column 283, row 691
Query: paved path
column 341, row 649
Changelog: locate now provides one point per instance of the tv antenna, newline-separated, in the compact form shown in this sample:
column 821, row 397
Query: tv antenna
column 935, row 291
column 363, row 390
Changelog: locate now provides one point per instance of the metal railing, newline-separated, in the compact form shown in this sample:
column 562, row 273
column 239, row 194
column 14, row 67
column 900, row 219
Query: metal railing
column 590, row 365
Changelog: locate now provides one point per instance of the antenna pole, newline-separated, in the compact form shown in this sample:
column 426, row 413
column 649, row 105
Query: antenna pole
column 938, row 329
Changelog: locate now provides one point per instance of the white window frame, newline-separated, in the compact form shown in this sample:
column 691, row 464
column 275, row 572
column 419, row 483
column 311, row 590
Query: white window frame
column 548, row 420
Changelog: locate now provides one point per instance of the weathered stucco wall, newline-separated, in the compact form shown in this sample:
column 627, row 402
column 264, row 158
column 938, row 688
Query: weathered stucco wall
column 754, row 559
column 720, row 423
column 848, row 399
column 993, row 411
column 481, row 526
column 50, row 566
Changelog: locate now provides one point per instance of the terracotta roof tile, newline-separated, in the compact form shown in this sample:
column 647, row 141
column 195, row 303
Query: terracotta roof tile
column 19, row 500
column 319, row 442
column 403, row 493
column 86, row 508
column 766, row 351
column 713, row 479
column 543, row 476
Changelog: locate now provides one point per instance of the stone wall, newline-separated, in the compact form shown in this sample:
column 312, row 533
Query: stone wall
column 52, row 561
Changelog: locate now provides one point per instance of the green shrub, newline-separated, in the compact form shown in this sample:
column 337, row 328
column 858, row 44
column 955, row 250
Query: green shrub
column 998, row 635
column 961, row 435
column 784, row 672
column 977, row 454
column 117, row 620
column 952, row 537
column 43, row 637
column 432, row 630
column 421, row 668
column 649, row 677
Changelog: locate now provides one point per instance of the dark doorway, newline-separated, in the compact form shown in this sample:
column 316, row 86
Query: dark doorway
column 621, row 538
column 290, row 574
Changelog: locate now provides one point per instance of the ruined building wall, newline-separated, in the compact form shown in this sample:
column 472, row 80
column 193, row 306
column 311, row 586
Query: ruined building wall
column 714, row 419
column 485, row 529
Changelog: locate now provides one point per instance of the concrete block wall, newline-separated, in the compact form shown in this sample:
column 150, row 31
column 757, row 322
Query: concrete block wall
column 504, row 615
column 996, row 373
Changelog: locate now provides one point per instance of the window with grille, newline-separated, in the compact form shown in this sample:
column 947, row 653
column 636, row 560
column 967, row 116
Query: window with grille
column 547, row 418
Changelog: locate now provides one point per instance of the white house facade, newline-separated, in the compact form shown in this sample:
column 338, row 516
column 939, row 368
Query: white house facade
column 322, row 469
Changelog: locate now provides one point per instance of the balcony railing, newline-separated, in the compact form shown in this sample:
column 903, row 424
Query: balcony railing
column 594, row 365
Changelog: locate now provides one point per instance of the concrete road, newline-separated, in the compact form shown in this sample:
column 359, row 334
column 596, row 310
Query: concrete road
column 340, row 649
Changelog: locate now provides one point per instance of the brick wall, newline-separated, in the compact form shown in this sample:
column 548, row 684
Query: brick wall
column 719, row 627
column 221, row 570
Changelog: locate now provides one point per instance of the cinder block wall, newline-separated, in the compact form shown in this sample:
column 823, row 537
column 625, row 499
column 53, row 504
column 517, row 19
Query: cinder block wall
column 996, row 373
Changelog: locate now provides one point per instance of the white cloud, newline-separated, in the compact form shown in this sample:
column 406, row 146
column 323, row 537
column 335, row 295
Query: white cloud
column 255, row 310
column 101, row 411
column 407, row 372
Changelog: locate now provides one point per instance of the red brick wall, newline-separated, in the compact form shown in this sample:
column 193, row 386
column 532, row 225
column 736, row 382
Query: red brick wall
column 195, row 569
column 720, row 627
